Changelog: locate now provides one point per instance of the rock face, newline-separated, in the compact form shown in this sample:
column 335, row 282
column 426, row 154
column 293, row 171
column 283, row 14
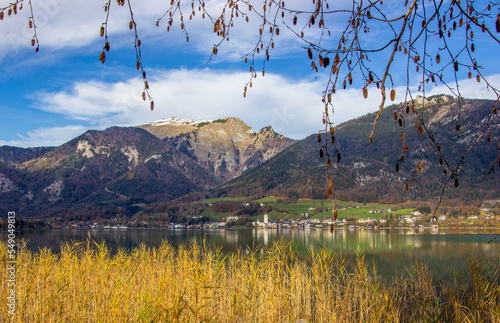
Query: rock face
column 224, row 147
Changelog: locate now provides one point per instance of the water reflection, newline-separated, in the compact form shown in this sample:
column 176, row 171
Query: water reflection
column 391, row 251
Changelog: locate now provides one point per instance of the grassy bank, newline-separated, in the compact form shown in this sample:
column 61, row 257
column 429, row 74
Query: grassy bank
column 85, row 283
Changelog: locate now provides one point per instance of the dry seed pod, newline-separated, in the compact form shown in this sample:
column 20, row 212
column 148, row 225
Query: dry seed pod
column 138, row 65
column 30, row 24
column 478, row 78
column 214, row 50
column 310, row 53
column 152, row 105
column 102, row 57
column 106, row 46
column 130, row 24
column 321, row 153
column 102, row 31
column 395, row 115
column 438, row 58
column 365, row 92
column 295, row 20
column 335, row 214
column 332, row 131
column 326, row 62
column 331, row 227
column 319, row 137
column 33, row 42
column 144, row 96
column 393, row 95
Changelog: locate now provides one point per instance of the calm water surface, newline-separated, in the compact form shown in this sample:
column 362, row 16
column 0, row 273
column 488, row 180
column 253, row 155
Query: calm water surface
column 392, row 252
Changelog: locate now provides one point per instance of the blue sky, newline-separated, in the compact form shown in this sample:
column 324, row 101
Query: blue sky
column 49, row 97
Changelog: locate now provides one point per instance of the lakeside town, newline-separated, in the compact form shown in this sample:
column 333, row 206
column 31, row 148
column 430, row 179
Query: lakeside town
column 303, row 214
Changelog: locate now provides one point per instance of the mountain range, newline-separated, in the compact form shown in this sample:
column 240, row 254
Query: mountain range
column 172, row 158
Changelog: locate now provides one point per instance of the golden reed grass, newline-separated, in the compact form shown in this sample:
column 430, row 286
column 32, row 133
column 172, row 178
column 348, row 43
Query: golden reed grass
column 86, row 283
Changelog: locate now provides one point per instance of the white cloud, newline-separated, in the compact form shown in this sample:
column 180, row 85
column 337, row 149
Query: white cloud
column 54, row 136
column 293, row 108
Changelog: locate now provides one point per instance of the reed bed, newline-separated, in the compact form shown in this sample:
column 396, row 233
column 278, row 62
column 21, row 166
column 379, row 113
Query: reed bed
column 193, row 283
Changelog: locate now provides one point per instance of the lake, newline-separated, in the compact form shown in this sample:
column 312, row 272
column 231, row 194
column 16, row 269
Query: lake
column 391, row 251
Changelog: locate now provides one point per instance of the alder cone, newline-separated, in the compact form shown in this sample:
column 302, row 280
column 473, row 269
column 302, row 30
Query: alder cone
column 393, row 95
column 102, row 57
column 365, row 92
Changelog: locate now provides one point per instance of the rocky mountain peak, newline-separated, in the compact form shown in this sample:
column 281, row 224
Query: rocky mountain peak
column 225, row 147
